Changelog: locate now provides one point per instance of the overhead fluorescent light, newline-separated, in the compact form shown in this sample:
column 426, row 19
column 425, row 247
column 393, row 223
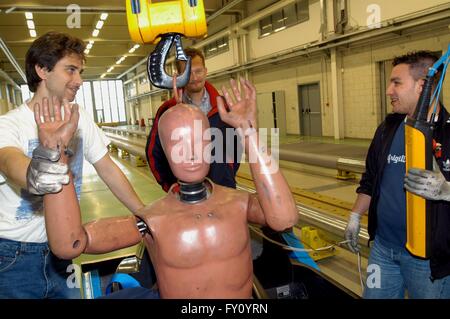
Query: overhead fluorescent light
column 33, row 33
column 91, row 42
column 28, row 15
column 110, row 69
column 30, row 24
column 99, row 24
column 103, row 16
column 10, row 10
column 86, row 51
column 136, row 46
column 89, row 46
column 95, row 32
column 103, row 75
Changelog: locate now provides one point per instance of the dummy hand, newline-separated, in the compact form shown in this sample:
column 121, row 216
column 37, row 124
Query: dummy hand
column 427, row 184
column 59, row 130
column 242, row 110
column 45, row 174
column 352, row 231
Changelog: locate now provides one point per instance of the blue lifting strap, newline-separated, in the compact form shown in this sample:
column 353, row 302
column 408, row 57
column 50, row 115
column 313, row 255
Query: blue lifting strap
column 125, row 280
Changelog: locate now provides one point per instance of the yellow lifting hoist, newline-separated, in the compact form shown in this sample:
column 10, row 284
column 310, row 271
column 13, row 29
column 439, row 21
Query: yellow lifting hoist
column 164, row 22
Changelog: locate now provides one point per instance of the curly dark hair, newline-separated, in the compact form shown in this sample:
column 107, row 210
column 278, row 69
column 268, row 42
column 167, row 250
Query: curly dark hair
column 47, row 50
column 418, row 61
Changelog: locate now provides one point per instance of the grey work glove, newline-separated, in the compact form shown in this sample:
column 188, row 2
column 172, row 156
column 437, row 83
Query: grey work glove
column 45, row 175
column 427, row 184
column 352, row 231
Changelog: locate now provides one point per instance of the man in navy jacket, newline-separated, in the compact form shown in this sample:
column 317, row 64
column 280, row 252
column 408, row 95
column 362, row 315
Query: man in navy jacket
column 392, row 270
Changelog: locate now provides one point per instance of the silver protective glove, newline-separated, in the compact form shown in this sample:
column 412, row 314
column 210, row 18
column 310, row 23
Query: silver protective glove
column 352, row 231
column 45, row 175
column 427, row 184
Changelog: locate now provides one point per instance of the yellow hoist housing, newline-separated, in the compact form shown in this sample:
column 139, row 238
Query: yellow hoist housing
column 147, row 20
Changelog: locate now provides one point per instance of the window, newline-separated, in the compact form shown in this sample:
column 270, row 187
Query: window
column 84, row 98
column 217, row 47
column 131, row 89
column 26, row 94
column 113, row 101
column 286, row 17
column 120, row 101
column 104, row 99
column 109, row 101
column 143, row 79
column 8, row 97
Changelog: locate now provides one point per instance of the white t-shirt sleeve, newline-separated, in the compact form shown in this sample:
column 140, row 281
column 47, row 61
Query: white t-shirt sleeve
column 10, row 133
column 95, row 141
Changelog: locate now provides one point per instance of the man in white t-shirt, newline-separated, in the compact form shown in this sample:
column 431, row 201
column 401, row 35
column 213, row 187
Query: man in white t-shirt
column 28, row 269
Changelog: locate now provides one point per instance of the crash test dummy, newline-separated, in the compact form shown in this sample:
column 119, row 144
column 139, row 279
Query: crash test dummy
column 197, row 235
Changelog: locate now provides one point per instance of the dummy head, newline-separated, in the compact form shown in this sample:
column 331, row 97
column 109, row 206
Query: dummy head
column 185, row 137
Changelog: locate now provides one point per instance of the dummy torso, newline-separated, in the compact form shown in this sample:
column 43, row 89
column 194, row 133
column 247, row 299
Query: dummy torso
column 201, row 249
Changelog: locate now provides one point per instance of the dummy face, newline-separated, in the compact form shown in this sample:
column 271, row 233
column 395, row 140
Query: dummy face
column 403, row 90
column 64, row 80
column 185, row 138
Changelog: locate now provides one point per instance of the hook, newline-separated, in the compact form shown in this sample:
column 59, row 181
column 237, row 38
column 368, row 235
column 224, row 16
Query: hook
column 157, row 60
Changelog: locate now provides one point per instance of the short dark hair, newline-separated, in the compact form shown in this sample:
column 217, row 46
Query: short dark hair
column 46, row 51
column 191, row 52
column 419, row 62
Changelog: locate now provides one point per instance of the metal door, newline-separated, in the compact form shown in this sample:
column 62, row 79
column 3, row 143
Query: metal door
column 310, row 110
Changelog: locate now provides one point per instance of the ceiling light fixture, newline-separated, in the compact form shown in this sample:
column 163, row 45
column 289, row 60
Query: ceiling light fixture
column 103, row 16
column 33, row 33
column 95, row 32
column 28, row 15
column 30, row 24
column 136, row 46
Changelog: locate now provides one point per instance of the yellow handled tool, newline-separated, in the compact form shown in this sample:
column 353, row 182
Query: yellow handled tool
column 419, row 153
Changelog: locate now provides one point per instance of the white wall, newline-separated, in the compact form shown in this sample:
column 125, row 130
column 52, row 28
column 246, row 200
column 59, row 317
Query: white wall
column 361, row 91
column 301, row 33
column 360, row 63
column 388, row 9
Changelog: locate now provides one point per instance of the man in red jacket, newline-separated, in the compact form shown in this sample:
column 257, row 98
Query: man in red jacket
column 202, row 94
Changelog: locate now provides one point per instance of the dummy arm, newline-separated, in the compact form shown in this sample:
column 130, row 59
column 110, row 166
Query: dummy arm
column 274, row 204
column 67, row 237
